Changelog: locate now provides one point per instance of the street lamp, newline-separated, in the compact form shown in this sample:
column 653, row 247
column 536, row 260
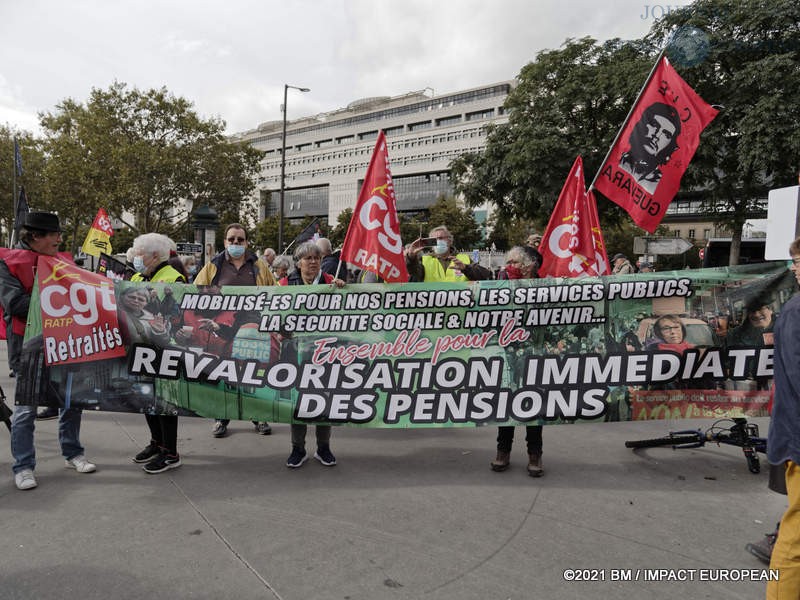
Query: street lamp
column 283, row 162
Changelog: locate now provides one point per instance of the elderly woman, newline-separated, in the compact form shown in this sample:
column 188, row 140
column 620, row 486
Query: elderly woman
column 519, row 265
column 281, row 266
column 138, row 324
column 151, row 253
column 308, row 258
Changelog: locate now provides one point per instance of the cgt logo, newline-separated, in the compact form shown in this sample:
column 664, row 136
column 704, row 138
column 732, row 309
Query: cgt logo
column 387, row 237
column 80, row 301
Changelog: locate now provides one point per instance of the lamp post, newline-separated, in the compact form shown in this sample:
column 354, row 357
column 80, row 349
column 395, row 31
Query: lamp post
column 283, row 162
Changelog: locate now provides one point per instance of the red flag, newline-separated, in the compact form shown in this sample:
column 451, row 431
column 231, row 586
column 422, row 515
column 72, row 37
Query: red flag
column 643, row 171
column 373, row 240
column 572, row 244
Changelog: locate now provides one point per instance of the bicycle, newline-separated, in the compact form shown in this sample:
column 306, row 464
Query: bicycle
column 741, row 434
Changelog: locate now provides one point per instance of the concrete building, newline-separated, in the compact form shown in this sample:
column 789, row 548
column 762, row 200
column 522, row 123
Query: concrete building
column 327, row 154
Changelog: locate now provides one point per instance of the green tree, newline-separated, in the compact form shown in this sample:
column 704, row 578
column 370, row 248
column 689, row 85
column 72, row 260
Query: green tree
column 32, row 163
column 337, row 234
column 143, row 153
column 459, row 220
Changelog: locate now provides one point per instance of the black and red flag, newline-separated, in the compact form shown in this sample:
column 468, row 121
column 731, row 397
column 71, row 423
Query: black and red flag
column 642, row 172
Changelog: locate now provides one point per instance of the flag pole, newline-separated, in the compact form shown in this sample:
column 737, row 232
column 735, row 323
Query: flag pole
column 627, row 118
column 13, row 233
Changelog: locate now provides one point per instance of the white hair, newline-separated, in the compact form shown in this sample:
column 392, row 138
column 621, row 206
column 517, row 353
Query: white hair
column 154, row 243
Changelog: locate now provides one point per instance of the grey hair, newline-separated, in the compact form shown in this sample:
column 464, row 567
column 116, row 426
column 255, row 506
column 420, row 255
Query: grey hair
column 325, row 245
column 443, row 229
column 306, row 249
column 281, row 262
column 154, row 243
column 518, row 253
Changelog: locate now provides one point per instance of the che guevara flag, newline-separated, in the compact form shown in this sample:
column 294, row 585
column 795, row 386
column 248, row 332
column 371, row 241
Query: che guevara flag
column 98, row 239
column 643, row 170
column 572, row 244
column 373, row 240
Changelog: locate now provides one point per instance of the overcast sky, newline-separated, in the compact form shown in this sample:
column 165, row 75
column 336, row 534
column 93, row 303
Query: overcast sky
column 231, row 58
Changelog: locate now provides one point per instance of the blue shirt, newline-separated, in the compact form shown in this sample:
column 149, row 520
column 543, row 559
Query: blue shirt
column 783, row 442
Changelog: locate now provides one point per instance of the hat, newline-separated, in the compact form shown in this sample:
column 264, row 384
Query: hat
column 645, row 265
column 534, row 237
column 620, row 255
column 41, row 221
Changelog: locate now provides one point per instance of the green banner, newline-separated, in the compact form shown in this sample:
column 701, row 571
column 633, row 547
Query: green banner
column 674, row 344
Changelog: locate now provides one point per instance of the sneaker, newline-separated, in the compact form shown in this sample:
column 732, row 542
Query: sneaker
column 148, row 454
column 220, row 429
column 263, row 428
column 296, row 458
column 80, row 464
column 46, row 413
column 325, row 456
column 163, row 462
column 761, row 549
column 24, row 480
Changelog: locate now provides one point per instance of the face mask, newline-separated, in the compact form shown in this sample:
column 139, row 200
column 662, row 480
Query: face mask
column 513, row 272
column 138, row 264
column 235, row 251
column 192, row 270
column 442, row 247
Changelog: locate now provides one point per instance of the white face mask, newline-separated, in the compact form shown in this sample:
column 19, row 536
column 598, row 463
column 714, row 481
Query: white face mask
column 138, row 264
column 442, row 247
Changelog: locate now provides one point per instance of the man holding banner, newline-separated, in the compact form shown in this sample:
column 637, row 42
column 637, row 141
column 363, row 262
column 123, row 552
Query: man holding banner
column 40, row 235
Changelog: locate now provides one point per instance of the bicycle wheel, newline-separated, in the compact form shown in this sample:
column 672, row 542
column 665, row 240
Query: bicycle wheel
column 671, row 440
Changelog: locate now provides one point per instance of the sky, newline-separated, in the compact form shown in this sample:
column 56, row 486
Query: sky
column 232, row 58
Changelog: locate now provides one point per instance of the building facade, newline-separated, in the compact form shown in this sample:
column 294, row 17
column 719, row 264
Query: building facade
column 327, row 155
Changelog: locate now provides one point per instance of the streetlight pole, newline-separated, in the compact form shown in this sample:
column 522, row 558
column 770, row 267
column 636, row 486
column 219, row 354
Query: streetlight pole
column 286, row 87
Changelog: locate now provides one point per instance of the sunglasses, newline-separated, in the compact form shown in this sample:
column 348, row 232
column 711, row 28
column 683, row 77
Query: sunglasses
column 236, row 240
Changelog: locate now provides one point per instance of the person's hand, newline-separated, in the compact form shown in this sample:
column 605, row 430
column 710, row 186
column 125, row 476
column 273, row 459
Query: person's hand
column 339, row 283
column 414, row 248
column 158, row 324
column 209, row 325
column 457, row 264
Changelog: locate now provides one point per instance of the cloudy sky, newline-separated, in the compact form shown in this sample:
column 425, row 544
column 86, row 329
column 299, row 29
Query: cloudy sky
column 231, row 58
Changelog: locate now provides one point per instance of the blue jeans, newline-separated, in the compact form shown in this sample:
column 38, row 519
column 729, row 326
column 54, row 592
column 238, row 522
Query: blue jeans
column 24, row 422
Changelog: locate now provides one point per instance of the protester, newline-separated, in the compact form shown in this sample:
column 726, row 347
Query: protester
column 444, row 264
column 622, row 266
column 519, row 265
column 281, row 266
column 235, row 265
column 190, row 266
column 40, row 235
column 532, row 248
column 783, row 440
column 645, row 267
column 268, row 257
column 331, row 261
column 151, row 254
column 308, row 257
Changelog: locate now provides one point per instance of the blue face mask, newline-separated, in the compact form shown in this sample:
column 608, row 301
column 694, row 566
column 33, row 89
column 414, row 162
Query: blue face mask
column 442, row 247
column 235, row 251
column 138, row 264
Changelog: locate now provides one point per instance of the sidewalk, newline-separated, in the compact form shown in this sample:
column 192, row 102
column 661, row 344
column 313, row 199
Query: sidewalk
column 406, row 514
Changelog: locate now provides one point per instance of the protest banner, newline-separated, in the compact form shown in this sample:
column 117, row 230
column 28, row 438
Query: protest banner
column 459, row 354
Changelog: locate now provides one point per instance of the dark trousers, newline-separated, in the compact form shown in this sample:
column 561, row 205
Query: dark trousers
column 164, row 431
column 533, row 437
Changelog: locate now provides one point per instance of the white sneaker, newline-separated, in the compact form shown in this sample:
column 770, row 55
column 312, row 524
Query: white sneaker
column 25, row 480
column 80, row 464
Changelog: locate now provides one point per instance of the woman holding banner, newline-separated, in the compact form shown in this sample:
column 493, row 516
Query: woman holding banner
column 308, row 258
column 151, row 253
column 519, row 265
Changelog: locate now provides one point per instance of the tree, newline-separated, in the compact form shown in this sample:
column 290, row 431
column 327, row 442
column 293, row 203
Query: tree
column 32, row 162
column 458, row 220
column 568, row 102
column 140, row 155
column 337, row 234
column 751, row 69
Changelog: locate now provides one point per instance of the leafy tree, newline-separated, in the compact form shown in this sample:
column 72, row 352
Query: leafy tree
column 459, row 220
column 32, row 163
column 337, row 234
column 142, row 154
column 266, row 232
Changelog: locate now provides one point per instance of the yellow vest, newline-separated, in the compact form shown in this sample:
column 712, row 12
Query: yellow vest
column 434, row 271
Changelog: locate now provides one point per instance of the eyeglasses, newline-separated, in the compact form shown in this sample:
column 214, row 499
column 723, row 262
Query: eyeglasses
column 796, row 260
column 236, row 240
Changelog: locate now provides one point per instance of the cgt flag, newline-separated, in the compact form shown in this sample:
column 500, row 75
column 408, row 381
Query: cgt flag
column 98, row 239
column 643, row 170
column 373, row 239
column 572, row 244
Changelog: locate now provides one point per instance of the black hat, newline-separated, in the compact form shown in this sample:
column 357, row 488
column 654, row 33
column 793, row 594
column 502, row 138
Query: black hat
column 620, row 255
column 41, row 221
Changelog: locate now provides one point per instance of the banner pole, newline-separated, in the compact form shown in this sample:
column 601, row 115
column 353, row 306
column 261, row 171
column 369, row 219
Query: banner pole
column 627, row 118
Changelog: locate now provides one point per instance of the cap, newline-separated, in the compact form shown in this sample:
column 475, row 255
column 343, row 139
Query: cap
column 620, row 255
column 41, row 221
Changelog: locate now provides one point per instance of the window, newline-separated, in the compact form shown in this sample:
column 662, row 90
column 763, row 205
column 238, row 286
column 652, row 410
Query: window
column 691, row 234
column 420, row 125
column 445, row 121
